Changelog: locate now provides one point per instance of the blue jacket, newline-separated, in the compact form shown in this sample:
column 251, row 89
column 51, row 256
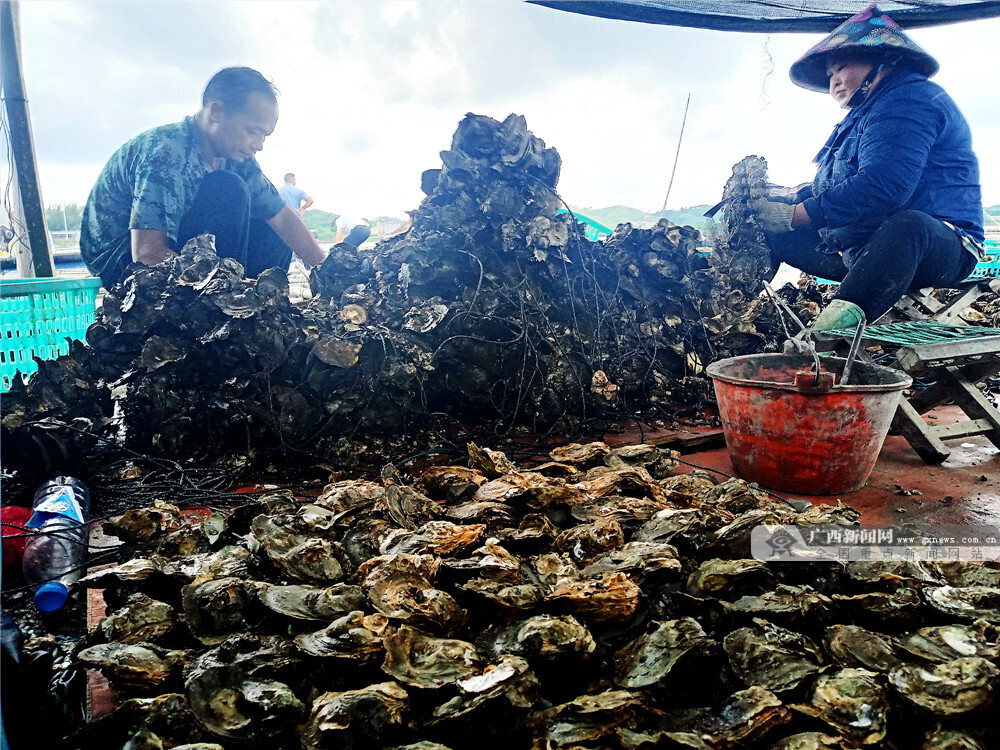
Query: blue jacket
column 906, row 147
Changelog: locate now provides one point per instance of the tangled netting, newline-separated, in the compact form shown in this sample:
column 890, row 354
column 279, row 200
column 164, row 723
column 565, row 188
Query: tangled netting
column 493, row 312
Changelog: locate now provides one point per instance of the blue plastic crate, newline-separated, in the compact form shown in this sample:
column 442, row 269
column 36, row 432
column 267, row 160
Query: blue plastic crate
column 37, row 316
column 989, row 266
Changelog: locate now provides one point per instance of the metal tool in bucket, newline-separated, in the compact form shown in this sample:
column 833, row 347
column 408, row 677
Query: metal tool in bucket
column 801, row 422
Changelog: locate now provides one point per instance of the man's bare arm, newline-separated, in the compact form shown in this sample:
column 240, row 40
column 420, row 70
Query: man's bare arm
column 150, row 246
column 304, row 206
column 287, row 224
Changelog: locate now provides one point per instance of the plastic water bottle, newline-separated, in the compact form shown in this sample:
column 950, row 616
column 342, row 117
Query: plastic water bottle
column 55, row 555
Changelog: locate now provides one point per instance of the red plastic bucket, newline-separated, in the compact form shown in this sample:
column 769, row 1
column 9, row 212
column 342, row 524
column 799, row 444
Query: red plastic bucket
column 787, row 431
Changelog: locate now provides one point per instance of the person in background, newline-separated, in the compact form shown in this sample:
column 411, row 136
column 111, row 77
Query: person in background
column 197, row 176
column 896, row 201
column 351, row 230
column 294, row 197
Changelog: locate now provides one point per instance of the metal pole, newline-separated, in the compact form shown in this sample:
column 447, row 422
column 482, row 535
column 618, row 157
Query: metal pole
column 21, row 145
column 674, row 170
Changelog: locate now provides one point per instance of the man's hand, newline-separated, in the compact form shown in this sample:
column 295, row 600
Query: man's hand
column 150, row 246
column 288, row 225
column 774, row 217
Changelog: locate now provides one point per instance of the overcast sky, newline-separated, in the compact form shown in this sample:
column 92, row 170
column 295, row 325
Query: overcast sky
column 371, row 92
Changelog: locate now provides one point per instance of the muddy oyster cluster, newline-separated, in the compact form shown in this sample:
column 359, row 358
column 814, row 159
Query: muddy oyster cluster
column 494, row 309
column 597, row 600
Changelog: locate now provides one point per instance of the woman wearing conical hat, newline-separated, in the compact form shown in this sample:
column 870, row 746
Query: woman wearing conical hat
column 896, row 201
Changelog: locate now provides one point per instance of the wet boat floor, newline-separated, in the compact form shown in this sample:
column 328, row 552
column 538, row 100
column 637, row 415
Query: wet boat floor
column 965, row 489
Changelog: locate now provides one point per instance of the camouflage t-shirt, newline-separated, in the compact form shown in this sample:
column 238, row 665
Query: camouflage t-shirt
column 150, row 183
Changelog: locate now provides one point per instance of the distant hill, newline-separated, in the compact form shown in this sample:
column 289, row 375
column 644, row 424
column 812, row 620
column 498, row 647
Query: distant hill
column 693, row 216
column 612, row 216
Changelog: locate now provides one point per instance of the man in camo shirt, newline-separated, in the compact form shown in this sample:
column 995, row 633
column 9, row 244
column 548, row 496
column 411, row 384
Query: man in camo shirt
column 194, row 177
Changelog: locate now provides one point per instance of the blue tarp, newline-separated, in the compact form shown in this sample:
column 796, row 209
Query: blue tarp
column 768, row 17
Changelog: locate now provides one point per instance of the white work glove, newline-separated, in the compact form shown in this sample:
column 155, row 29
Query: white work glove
column 782, row 194
column 773, row 217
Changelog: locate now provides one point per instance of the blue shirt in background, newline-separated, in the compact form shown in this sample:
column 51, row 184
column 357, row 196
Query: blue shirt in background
column 292, row 195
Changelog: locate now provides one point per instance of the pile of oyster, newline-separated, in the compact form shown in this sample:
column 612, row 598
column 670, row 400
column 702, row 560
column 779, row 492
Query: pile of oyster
column 597, row 600
column 493, row 310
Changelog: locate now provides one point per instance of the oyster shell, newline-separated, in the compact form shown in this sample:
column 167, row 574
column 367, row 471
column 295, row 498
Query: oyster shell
column 229, row 704
column 667, row 524
column 290, row 545
column 494, row 516
column 575, row 453
column 587, row 721
column 217, row 608
column 228, row 562
column 434, row 537
column 140, row 525
column 953, row 687
column 408, row 507
column 630, row 512
column 514, row 598
column 738, row 497
column 728, row 577
column 353, row 637
column 787, row 605
column 966, row 602
column 853, row 701
column 771, row 657
column 363, row 540
column 397, row 587
column 585, row 541
column 352, row 495
column 686, row 489
column 136, row 569
column 490, row 462
column 947, row 642
column 891, row 573
column 958, row 573
column 312, row 602
column 640, row 560
column 544, row 637
column 142, row 619
column 610, row 598
column 950, row 739
column 853, row 646
column 744, row 718
column 902, row 606
column 649, row 659
column 733, row 539
column 134, row 666
column 451, row 483
column 418, row 659
column 510, row 678
column 809, row 741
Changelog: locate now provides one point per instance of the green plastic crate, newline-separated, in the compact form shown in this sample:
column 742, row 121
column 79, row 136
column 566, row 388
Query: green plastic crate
column 593, row 230
column 37, row 316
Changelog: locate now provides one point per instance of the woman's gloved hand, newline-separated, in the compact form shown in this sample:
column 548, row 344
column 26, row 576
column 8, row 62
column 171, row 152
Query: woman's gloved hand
column 774, row 217
column 782, row 194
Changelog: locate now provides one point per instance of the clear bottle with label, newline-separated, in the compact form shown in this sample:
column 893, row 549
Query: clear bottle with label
column 56, row 553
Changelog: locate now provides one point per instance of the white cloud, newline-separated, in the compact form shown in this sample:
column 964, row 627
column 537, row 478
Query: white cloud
column 372, row 91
